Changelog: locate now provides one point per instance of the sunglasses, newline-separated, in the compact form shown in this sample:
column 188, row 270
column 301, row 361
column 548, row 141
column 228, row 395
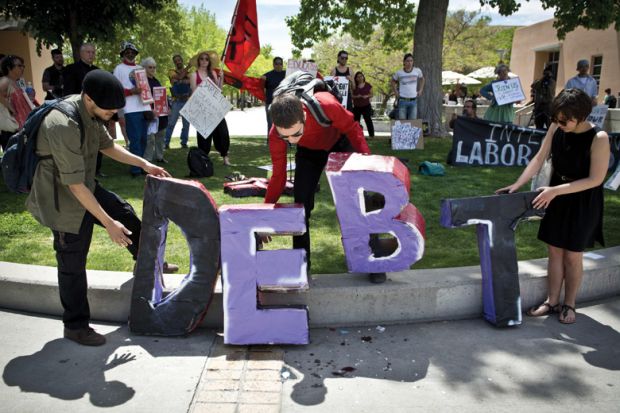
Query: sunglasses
column 297, row 134
column 151, row 67
column 204, row 58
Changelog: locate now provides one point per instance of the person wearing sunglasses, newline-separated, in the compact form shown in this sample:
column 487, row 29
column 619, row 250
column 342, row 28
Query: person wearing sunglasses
column 342, row 69
column 293, row 124
column 573, row 201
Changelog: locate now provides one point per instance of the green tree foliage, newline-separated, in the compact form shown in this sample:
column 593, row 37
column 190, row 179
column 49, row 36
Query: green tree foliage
column 53, row 22
column 471, row 43
column 570, row 14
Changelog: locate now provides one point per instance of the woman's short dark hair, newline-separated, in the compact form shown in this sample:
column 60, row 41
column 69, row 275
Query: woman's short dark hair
column 408, row 55
column 340, row 53
column 8, row 63
column 572, row 104
column 286, row 110
column 355, row 77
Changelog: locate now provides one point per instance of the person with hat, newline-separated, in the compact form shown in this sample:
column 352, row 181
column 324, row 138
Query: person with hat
column 66, row 198
column 137, row 114
column 583, row 80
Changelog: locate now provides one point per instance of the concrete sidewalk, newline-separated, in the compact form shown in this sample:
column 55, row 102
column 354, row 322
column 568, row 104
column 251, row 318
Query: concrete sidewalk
column 444, row 366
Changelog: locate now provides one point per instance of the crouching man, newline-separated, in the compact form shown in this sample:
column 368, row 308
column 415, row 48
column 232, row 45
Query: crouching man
column 294, row 124
column 66, row 198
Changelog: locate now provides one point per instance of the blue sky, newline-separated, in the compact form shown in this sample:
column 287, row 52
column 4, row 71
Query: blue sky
column 273, row 29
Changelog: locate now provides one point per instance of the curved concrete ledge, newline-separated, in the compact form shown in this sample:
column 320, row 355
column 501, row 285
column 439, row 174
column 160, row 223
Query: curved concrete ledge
column 333, row 299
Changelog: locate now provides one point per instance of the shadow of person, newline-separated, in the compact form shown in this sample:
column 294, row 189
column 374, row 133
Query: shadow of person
column 354, row 352
column 68, row 371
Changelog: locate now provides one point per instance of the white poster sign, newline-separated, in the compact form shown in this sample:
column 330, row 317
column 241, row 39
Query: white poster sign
column 206, row 108
column 598, row 114
column 342, row 83
column 293, row 66
column 614, row 180
column 407, row 134
column 508, row 91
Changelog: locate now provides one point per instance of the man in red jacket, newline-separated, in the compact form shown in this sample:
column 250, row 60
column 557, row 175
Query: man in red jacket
column 294, row 124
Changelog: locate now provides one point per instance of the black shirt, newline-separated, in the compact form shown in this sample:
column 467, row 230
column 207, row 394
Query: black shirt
column 74, row 75
column 272, row 80
column 54, row 77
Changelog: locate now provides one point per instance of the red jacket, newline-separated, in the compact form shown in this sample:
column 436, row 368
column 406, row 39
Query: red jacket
column 315, row 137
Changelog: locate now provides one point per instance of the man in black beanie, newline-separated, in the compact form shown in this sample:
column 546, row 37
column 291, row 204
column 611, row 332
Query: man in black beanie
column 66, row 197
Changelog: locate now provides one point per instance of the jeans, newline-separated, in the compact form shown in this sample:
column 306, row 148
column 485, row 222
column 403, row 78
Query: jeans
column 136, row 127
column 72, row 251
column 155, row 146
column 175, row 110
column 407, row 109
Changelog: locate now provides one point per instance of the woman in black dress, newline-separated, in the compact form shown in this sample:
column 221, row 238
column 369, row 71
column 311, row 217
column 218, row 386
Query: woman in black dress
column 573, row 201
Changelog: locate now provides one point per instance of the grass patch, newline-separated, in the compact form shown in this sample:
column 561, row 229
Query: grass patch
column 23, row 240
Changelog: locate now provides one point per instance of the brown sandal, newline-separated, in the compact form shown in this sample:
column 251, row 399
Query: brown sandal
column 565, row 309
column 551, row 309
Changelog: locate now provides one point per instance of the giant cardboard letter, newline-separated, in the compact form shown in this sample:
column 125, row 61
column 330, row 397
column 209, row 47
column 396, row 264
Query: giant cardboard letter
column 496, row 218
column 350, row 176
column 244, row 270
column 190, row 206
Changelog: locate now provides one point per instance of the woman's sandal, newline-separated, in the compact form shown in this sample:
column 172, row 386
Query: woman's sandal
column 551, row 309
column 564, row 313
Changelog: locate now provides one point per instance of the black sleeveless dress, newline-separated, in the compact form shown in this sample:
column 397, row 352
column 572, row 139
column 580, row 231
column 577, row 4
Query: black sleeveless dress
column 573, row 221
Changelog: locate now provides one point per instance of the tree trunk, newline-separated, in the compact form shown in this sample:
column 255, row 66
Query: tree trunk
column 75, row 37
column 427, row 55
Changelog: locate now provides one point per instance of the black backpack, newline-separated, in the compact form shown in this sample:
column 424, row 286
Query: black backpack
column 199, row 163
column 20, row 160
column 303, row 85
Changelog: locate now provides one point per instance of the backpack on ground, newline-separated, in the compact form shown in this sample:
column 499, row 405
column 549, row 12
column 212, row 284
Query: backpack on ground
column 20, row 160
column 199, row 163
column 303, row 85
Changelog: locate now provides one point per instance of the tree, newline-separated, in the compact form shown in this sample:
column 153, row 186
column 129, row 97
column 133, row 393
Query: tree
column 53, row 22
column 570, row 14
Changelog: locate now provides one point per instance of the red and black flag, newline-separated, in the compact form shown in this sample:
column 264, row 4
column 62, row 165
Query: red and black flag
column 254, row 85
column 242, row 44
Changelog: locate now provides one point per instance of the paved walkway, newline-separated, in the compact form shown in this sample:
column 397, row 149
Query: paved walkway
column 446, row 366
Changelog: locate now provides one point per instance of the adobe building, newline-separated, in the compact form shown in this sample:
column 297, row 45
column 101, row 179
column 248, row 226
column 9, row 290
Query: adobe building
column 535, row 46
column 14, row 41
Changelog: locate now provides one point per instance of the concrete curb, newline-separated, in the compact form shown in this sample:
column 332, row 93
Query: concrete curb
column 333, row 299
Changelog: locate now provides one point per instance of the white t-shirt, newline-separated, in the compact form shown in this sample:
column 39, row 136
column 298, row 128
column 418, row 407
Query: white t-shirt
column 408, row 82
column 133, row 103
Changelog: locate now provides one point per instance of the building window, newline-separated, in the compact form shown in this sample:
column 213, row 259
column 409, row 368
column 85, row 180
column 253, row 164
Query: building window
column 597, row 66
column 553, row 62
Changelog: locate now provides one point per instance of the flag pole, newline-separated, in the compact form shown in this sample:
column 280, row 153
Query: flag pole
column 232, row 26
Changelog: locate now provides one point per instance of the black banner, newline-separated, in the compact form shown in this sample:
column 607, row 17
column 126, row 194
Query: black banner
column 478, row 142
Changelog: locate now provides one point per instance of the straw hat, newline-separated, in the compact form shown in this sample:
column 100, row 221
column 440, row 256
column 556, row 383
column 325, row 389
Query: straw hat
column 214, row 59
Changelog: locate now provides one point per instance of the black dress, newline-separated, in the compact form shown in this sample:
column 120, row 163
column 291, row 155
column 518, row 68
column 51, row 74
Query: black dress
column 573, row 221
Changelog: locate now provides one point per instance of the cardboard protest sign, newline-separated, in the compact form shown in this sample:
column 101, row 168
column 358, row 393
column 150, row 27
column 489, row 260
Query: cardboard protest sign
column 293, row 66
column 342, row 83
column 142, row 82
column 598, row 114
column 407, row 134
column 480, row 142
column 160, row 101
column 206, row 108
column 508, row 91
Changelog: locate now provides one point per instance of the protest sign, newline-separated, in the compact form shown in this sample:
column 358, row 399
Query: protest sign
column 598, row 114
column 160, row 104
column 206, row 108
column 508, row 91
column 293, row 66
column 484, row 143
column 142, row 82
column 407, row 134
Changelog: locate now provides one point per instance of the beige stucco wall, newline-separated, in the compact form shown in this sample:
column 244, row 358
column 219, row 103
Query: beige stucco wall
column 15, row 42
column 527, row 58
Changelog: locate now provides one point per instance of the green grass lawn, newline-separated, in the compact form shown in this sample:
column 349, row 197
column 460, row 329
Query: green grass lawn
column 23, row 240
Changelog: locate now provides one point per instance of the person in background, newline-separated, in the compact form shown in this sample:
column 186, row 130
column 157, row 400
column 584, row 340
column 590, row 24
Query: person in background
column 573, row 201
column 74, row 73
column 180, row 90
column 12, row 96
column 584, row 81
column 137, row 114
column 220, row 136
column 408, row 85
column 543, row 91
column 498, row 113
column 155, row 142
column 610, row 99
column 52, row 80
column 469, row 111
column 343, row 69
column 362, row 93
column 272, row 80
